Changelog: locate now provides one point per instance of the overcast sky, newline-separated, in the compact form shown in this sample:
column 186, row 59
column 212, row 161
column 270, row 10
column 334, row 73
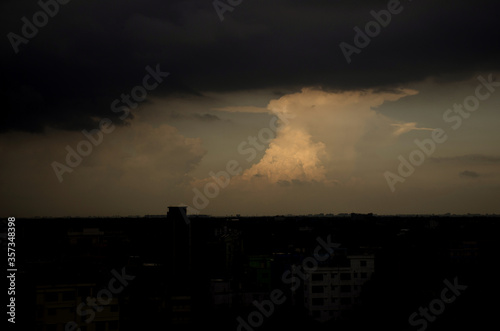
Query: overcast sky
column 308, row 106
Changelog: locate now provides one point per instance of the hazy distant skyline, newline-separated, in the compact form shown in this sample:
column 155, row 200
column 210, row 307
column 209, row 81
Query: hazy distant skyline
column 343, row 125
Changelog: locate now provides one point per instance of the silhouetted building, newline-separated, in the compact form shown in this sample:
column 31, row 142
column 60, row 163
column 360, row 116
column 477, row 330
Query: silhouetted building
column 57, row 305
column 330, row 290
column 181, row 279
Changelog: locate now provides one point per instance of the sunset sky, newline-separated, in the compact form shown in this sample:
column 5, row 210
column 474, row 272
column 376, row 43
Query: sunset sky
column 266, row 95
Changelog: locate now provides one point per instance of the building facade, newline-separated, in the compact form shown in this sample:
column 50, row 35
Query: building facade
column 331, row 290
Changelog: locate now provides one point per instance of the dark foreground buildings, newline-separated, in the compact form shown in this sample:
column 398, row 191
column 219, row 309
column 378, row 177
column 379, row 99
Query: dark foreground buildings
column 316, row 272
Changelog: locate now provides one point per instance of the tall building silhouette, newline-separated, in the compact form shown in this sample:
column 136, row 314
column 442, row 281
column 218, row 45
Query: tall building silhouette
column 181, row 278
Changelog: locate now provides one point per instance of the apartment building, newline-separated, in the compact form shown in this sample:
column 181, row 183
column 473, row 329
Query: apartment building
column 333, row 289
column 56, row 305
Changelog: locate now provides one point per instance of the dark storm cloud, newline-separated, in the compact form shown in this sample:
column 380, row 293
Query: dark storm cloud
column 206, row 117
column 91, row 52
column 469, row 158
column 176, row 115
column 469, row 174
